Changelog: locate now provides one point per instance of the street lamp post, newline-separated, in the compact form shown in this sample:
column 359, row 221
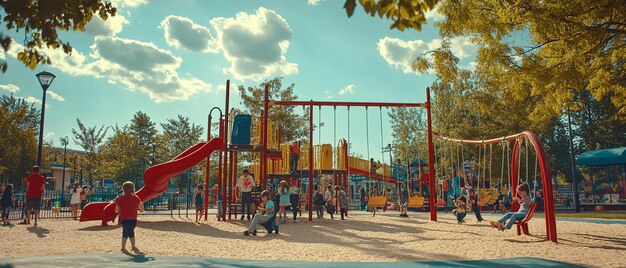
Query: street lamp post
column 45, row 79
column 64, row 141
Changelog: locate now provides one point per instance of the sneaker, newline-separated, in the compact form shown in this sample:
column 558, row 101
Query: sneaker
column 248, row 218
column 246, row 233
column 242, row 217
column 406, row 215
column 254, row 233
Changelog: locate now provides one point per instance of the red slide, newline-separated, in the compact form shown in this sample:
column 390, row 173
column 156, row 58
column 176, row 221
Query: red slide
column 156, row 179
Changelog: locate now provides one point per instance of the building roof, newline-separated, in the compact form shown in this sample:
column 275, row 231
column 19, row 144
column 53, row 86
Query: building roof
column 604, row 157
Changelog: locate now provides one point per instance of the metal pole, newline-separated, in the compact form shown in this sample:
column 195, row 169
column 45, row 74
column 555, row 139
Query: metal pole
column 310, row 187
column 571, row 157
column 43, row 112
column 65, row 142
column 431, row 160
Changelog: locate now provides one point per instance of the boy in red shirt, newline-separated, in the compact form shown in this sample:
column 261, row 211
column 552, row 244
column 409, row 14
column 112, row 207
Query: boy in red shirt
column 127, row 206
column 34, row 189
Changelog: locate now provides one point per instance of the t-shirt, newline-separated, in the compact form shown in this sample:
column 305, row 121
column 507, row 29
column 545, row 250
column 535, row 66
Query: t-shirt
column 295, row 149
column 75, row 199
column 198, row 199
column 404, row 195
column 246, row 183
column 6, row 200
column 294, row 190
column 269, row 205
column 35, row 187
column 128, row 204
column 524, row 208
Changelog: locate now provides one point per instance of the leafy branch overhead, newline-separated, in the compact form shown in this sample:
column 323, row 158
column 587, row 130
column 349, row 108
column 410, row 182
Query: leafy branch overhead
column 406, row 14
column 40, row 21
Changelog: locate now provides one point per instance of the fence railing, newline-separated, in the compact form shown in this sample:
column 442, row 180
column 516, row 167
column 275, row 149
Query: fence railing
column 56, row 204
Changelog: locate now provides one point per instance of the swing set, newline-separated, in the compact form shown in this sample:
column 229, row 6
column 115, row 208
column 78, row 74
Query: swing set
column 228, row 153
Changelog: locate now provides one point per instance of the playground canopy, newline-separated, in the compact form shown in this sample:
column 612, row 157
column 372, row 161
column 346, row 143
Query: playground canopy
column 604, row 157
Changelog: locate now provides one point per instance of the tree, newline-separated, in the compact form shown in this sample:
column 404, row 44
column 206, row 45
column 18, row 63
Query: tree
column 404, row 13
column 294, row 126
column 409, row 134
column 572, row 46
column 40, row 21
column 122, row 156
column 90, row 140
column 179, row 135
column 19, row 127
column 145, row 130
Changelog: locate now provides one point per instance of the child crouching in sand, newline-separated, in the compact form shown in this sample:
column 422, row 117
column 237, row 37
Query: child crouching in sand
column 127, row 206
column 525, row 203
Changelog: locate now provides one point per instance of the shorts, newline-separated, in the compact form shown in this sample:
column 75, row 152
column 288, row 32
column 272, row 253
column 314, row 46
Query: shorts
column 128, row 228
column 5, row 212
column 33, row 203
column 404, row 204
column 199, row 207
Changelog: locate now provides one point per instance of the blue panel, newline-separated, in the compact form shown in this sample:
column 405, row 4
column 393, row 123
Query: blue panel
column 241, row 129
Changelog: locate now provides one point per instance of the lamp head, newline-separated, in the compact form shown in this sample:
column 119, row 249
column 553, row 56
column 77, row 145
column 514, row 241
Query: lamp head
column 45, row 79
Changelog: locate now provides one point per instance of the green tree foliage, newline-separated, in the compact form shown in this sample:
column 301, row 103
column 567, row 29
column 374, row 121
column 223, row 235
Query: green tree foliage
column 122, row 156
column 40, row 21
column 404, row 13
column 90, row 140
column 178, row 135
column 552, row 50
column 409, row 133
column 19, row 127
column 598, row 123
column 294, row 126
column 145, row 130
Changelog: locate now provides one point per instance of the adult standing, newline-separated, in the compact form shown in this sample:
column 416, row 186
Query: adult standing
column 34, row 190
column 75, row 200
column 294, row 156
column 363, row 194
column 404, row 200
column 245, row 184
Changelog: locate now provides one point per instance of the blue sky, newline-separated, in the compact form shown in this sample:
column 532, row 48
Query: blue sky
column 173, row 57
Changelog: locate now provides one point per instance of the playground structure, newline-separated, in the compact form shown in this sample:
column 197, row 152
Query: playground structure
column 273, row 161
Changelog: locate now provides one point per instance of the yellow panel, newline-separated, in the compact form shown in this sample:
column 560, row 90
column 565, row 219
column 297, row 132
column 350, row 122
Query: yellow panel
column 326, row 155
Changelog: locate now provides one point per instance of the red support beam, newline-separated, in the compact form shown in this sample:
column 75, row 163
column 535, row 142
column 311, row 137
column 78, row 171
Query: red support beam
column 310, row 187
column 347, row 104
column 431, row 161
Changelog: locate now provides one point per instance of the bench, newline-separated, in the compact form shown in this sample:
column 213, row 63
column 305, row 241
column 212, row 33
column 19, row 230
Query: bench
column 375, row 202
column 522, row 226
column 416, row 202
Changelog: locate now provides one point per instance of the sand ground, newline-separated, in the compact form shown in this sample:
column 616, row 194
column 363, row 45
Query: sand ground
column 361, row 238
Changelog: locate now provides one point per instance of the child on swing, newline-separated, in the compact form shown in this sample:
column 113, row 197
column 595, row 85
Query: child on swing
column 525, row 202
column 461, row 209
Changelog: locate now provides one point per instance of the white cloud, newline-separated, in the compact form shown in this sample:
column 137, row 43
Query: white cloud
column 255, row 44
column 10, row 88
column 128, row 3
column 401, row 54
column 328, row 95
column 434, row 15
column 32, row 100
column 221, row 87
column 55, row 96
column 314, row 2
column 182, row 32
column 139, row 66
column 48, row 135
column 349, row 89
column 99, row 27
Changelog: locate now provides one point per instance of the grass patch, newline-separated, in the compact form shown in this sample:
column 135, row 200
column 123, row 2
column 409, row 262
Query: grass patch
column 599, row 215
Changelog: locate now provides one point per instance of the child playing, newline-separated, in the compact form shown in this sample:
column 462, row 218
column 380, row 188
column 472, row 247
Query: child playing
column 266, row 213
column 283, row 201
column 318, row 201
column 461, row 209
column 474, row 201
column 127, row 206
column 5, row 203
column 294, row 198
column 342, row 201
column 404, row 201
column 524, row 201
column 199, row 201
column 329, row 197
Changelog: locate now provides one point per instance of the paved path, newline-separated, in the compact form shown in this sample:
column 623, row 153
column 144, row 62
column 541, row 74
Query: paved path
column 121, row 260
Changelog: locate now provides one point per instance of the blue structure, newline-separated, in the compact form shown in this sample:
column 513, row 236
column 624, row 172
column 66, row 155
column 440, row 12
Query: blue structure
column 241, row 129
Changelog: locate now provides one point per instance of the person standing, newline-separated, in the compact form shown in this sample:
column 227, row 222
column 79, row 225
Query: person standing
column 34, row 190
column 127, row 206
column 294, row 156
column 363, row 194
column 404, row 201
column 75, row 200
column 6, row 202
column 294, row 198
column 342, row 201
column 245, row 184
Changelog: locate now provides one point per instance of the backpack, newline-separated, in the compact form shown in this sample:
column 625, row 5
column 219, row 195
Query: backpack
column 319, row 199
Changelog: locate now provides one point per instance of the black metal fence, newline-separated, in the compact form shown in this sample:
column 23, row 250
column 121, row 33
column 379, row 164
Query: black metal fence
column 56, row 204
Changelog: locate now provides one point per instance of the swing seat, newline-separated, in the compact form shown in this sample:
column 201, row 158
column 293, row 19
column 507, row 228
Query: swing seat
column 487, row 200
column 416, row 202
column 376, row 202
column 522, row 226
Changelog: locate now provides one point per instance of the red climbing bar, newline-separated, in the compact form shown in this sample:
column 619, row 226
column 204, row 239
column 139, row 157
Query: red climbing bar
column 348, row 104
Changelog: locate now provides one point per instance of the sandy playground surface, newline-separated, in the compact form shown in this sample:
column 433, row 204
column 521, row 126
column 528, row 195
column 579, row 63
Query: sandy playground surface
column 361, row 238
